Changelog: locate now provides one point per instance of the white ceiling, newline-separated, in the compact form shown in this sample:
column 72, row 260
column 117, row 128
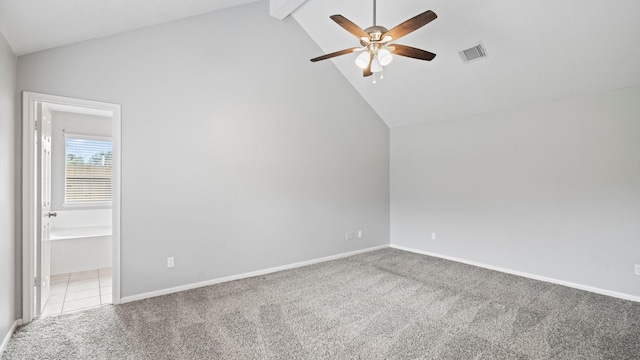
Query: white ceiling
column 34, row 25
column 538, row 49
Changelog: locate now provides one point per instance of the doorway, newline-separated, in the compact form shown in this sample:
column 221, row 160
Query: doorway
column 71, row 238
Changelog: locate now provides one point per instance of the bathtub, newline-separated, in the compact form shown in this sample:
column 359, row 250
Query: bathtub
column 80, row 249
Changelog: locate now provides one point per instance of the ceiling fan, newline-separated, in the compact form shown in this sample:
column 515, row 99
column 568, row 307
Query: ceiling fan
column 376, row 40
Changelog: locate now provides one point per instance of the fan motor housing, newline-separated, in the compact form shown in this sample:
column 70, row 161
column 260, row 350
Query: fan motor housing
column 376, row 32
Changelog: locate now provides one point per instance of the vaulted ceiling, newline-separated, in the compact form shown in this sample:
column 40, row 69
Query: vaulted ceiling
column 539, row 50
column 34, row 25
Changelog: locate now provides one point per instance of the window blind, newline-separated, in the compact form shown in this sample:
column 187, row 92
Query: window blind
column 88, row 170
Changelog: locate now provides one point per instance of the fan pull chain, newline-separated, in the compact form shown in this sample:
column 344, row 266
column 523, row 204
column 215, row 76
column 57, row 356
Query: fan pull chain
column 374, row 78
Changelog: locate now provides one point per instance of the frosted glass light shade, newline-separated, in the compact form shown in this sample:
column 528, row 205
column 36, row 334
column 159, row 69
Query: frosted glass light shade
column 384, row 57
column 362, row 61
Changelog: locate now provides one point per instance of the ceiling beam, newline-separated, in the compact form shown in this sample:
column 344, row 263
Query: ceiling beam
column 280, row 9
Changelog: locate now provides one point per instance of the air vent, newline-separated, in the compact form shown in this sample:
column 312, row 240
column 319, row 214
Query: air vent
column 474, row 53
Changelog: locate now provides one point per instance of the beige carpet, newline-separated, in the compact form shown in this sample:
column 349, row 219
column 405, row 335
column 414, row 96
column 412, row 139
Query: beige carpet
column 386, row 304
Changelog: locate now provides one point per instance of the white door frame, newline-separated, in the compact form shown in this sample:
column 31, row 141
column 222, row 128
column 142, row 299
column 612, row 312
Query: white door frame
column 29, row 200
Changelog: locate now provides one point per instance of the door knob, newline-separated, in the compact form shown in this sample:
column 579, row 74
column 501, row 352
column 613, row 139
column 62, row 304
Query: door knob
column 52, row 214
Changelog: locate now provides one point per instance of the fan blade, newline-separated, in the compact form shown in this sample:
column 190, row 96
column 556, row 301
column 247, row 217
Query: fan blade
column 410, row 25
column 334, row 54
column 349, row 26
column 411, row 52
column 367, row 72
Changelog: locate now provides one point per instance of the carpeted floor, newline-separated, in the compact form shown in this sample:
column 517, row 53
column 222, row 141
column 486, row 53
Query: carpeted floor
column 386, row 304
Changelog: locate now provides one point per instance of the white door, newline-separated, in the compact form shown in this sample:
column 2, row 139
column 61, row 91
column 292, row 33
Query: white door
column 43, row 245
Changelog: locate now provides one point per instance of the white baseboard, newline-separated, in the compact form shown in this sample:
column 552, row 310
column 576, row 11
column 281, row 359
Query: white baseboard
column 245, row 275
column 523, row 274
column 7, row 337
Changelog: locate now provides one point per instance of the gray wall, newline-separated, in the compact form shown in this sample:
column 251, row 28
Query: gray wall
column 7, row 187
column 239, row 154
column 549, row 189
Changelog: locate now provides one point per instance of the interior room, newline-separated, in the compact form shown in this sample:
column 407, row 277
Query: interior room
column 258, row 179
column 81, row 231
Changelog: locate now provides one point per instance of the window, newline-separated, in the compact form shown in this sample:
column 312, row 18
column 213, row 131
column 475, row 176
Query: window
column 88, row 170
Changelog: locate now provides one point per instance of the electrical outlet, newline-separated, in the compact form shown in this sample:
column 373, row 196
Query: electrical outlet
column 637, row 269
column 433, row 236
column 359, row 234
column 170, row 262
column 350, row 235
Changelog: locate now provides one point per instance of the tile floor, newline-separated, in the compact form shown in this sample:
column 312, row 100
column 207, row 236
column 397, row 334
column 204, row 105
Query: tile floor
column 78, row 291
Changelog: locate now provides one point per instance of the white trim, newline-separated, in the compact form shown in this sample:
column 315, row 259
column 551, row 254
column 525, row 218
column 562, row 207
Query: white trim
column 592, row 289
column 86, row 137
column 29, row 99
column 246, row 275
column 28, row 204
column 92, row 205
column 7, row 337
column 116, row 241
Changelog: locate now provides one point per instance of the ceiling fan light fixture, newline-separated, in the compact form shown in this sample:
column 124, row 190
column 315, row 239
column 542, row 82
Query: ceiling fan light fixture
column 376, row 67
column 384, row 57
column 376, row 39
column 362, row 61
